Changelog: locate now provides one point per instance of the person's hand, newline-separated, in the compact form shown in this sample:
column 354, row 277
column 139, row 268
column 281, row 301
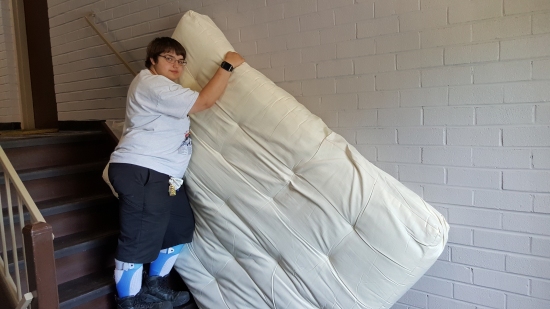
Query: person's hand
column 234, row 58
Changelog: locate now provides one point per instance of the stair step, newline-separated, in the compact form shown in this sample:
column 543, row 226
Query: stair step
column 62, row 172
column 81, row 183
column 99, row 286
column 73, row 244
column 50, row 172
column 62, row 205
column 25, row 158
column 79, row 242
column 102, row 217
column 98, row 211
column 85, row 289
column 60, row 137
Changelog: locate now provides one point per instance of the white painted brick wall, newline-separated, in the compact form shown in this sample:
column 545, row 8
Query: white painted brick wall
column 424, row 97
column 378, row 99
column 542, row 203
column 507, row 27
column 541, row 247
column 492, row 115
column 471, row 53
column 451, row 271
column 416, row 59
column 397, row 80
column 354, row 119
column 434, row 286
column 542, row 114
column 448, row 156
column 338, row 33
column 448, row 116
column 477, row 178
column 423, row 174
column 481, row 136
column 476, row 95
column 480, row 296
column 461, row 235
column 541, row 23
column 451, row 97
column 374, row 64
column 399, row 154
column 540, row 289
column 397, row 42
column 495, row 240
column 399, row 117
column 376, row 27
column 355, row 84
column 9, row 96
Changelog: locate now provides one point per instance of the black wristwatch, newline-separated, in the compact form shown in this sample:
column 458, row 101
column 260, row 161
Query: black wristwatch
column 227, row 66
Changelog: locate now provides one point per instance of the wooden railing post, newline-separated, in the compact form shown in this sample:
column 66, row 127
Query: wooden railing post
column 38, row 238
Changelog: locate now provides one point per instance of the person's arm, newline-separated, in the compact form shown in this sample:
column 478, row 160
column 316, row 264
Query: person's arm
column 216, row 86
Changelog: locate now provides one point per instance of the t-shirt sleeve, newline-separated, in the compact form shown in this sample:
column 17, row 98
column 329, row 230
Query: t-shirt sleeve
column 169, row 98
column 174, row 100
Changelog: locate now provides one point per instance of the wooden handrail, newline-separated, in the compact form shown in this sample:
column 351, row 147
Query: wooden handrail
column 15, row 290
column 108, row 43
column 11, row 174
column 41, row 265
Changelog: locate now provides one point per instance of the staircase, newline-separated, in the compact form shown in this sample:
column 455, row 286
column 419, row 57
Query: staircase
column 62, row 172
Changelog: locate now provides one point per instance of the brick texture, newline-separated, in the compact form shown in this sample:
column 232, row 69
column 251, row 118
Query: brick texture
column 9, row 99
column 452, row 97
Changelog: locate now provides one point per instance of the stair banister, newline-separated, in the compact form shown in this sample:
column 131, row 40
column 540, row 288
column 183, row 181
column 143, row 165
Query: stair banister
column 87, row 18
column 20, row 187
column 15, row 289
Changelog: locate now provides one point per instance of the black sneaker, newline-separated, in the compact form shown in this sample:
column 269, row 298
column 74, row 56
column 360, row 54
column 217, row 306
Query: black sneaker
column 158, row 287
column 142, row 301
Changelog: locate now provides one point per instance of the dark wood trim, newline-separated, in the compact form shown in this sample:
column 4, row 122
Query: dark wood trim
column 40, row 64
column 81, row 125
column 38, row 239
column 9, row 126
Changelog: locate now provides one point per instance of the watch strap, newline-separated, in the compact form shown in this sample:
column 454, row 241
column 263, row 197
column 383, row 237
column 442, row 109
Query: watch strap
column 227, row 66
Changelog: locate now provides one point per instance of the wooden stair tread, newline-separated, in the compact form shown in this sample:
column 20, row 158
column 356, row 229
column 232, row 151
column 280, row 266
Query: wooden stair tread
column 78, row 242
column 61, row 205
column 63, row 175
column 86, row 288
column 49, row 172
column 60, row 137
column 70, row 203
column 74, row 243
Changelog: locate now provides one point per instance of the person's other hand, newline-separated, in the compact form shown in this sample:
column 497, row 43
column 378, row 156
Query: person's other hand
column 234, row 58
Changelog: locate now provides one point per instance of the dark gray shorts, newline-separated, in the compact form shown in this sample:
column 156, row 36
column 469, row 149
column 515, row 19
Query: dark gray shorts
column 150, row 219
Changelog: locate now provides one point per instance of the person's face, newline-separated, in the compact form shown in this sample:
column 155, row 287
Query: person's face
column 169, row 65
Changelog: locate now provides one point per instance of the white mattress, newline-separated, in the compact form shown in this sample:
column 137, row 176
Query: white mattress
column 288, row 214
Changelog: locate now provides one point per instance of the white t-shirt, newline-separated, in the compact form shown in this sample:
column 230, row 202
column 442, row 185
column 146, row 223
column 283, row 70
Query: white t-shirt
column 156, row 129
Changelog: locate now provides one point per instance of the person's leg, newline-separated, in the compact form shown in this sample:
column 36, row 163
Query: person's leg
column 165, row 261
column 136, row 244
column 128, row 278
column 179, row 231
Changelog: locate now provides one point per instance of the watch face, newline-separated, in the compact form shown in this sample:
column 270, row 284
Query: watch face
column 227, row 66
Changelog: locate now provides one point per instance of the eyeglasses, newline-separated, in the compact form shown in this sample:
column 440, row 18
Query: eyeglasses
column 171, row 60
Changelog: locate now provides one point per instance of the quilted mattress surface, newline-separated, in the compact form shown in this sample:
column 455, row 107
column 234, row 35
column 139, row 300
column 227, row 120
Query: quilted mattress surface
column 288, row 214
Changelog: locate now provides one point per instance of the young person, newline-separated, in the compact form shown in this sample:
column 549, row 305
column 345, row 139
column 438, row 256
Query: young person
column 146, row 171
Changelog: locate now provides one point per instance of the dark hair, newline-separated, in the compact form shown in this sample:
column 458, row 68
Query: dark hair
column 161, row 45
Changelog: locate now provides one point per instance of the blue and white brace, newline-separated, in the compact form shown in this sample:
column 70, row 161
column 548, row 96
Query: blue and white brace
column 128, row 277
column 165, row 261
